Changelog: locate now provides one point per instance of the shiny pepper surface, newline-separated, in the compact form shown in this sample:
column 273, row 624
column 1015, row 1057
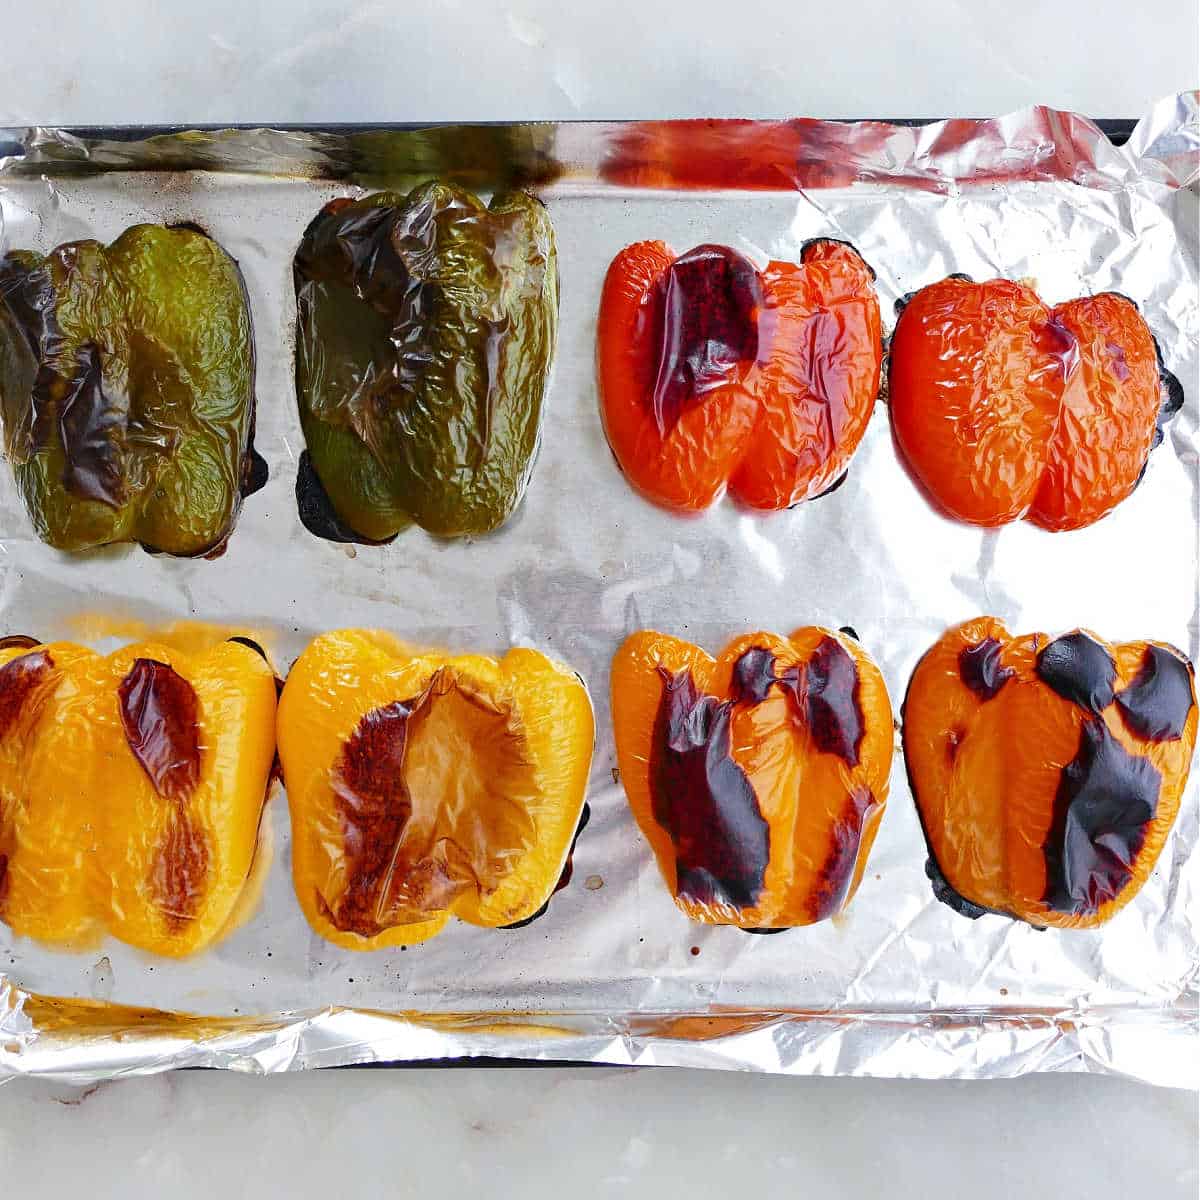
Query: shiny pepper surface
column 1047, row 771
column 131, row 786
column 425, row 336
column 759, row 778
column 1006, row 408
column 127, row 390
column 425, row 786
column 714, row 374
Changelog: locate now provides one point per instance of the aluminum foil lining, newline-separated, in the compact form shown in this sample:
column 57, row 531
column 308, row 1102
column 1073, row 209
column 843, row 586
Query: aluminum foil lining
column 613, row 972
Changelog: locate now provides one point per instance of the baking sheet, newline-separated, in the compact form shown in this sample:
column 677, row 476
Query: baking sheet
column 898, row 986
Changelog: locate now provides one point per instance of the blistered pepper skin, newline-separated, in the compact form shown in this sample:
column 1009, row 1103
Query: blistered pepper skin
column 1005, row 408
column 425, row 337
column 759, row 778
column 131, row 787
column 1047, row 772
column 127, row 390
column 425, row 786
column 715, row 375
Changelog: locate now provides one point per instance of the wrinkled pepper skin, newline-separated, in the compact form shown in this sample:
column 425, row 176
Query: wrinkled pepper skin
column 713, row 374
column 425, row 337
column 127, row 390
column 759, row 778
column 131, row 786
column 1005, row 408
column 425, row 786
column 1047, row 772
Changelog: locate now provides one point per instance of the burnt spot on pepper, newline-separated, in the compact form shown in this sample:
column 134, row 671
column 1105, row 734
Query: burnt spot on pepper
column 567, row 872
column 705, row 325
column 979, row 667
column 945, row 894
column 3, row 880
column 1079, row 669
column 817, row 248
column 704, row 800
column 831, row 701
column 316, row 510
column 18, row 641
column 160, row 716
column 374, row 805
column 92, row 424
column 1158, row 700
column 20, row 679
column 1172, row 395
column 838, row 868
column 179, row 872
column 754, row 675
column 1057, row 342
column 1106, row 798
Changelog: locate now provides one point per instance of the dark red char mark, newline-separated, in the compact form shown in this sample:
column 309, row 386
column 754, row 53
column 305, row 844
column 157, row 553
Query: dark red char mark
column 705, row 324
column 831, row 701
column 704, row 800
column 1158, row 702
column 160, row 715
column 1106, row 798
column 20, row 679
column 1079, row 669
column 374, row 806
column 838, row 868
column 980, row 669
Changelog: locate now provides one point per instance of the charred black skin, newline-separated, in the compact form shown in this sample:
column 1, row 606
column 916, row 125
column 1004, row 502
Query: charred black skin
column 316, row 510
column 1158, row 701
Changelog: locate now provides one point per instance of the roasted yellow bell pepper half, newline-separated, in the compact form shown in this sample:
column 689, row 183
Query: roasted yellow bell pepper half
column 424, row 786
column 131, row 787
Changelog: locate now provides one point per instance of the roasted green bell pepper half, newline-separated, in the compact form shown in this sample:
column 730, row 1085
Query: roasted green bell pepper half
column 426, row 330
column 127, row 390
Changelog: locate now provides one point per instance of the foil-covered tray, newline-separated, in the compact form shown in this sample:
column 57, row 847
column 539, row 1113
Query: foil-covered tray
column 613, row 972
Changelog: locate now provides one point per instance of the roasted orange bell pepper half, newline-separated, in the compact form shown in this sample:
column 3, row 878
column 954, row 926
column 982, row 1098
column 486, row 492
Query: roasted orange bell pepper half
column 424, row 786
column 1006, row 408
column 131, row 787
column 759, row 778
column 714, row 374
column 1046, row 771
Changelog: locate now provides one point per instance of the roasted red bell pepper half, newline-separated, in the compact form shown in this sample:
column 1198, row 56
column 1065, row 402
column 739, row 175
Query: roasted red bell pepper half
column 1004, row 407
column 715, row 374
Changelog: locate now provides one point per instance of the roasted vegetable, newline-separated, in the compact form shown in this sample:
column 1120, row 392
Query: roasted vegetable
column 426, row 330
column 131, row 787
column 715, row 374
column 1005, row 408
column 1047, row 771
column 424, row 786
column 127, row 390
column 758, row 778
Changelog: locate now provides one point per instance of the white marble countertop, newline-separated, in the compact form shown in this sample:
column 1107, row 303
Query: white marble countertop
column 579, row 1132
